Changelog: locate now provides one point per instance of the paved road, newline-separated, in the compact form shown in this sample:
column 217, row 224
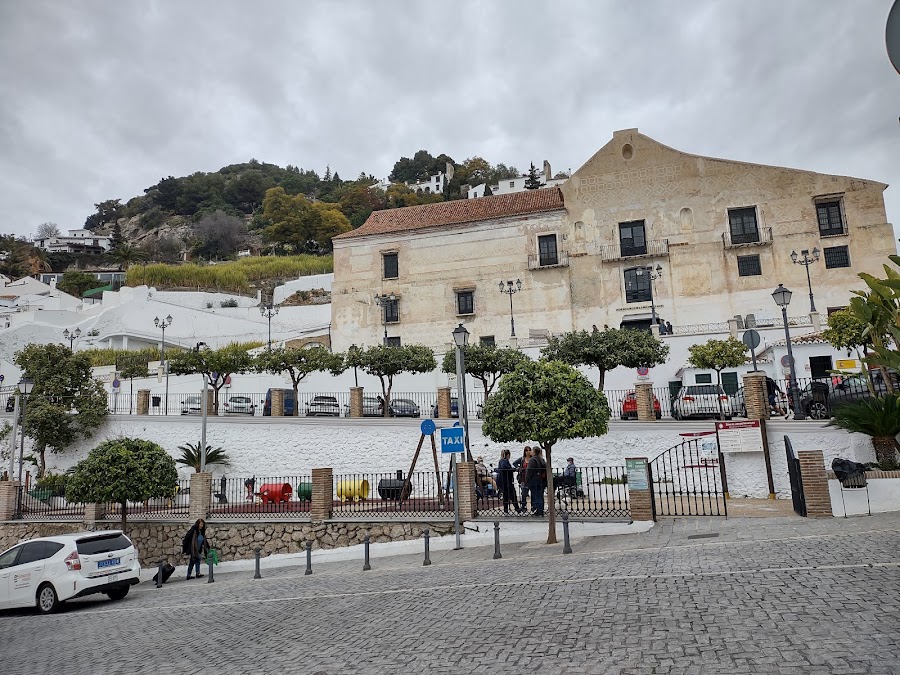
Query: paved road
column 690, row 596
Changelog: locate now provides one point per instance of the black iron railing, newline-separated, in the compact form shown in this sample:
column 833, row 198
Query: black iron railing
column 424, row 494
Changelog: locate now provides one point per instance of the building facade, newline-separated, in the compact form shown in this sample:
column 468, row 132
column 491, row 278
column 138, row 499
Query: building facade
column 639, row 229
column 77, row 241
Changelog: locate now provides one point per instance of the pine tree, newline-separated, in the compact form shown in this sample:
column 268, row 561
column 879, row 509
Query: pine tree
column 327, row 177
column 533, row 182
column 487, row 191
column 116, row 240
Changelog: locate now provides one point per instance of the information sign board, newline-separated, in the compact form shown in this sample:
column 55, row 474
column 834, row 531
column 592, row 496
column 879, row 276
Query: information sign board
column 637, row 474
column 740, row 436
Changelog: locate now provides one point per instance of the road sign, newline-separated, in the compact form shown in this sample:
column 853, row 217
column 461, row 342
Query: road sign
column 892, row 35
column 2, row 377
column 642, row 371
column 427, row 428
column 786, row 361
column 116, row 383
column 751, row 339
column 452, row 440
column 846, row 364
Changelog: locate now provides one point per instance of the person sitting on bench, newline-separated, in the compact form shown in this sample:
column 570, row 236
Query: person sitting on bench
column 568, row 476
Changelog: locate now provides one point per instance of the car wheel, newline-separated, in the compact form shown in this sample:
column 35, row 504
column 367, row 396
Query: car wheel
column 818, row 411
column 47, row 600
column 624, row 417
column 118, row 593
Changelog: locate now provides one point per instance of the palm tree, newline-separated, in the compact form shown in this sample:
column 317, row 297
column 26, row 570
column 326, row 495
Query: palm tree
column 127, row 254
column 876, row 417
column 190, row 456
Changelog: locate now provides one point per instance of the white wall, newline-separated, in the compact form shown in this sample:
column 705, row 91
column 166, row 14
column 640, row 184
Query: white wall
column 306, row 283
column 883, row 495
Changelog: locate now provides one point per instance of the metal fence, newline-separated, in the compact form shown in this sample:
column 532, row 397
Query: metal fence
column 38, row 503
column 162, row 508
column 261, row 497
column 393, row 495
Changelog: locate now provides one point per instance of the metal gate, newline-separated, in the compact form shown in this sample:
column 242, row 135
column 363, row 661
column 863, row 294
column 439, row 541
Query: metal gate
column 793, row 463
column 687, row 480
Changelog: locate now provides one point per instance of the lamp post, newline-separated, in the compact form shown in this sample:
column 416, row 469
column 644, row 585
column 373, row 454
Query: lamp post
column 162, row 325
column 510, row 289
column 204, row 403
column 652, row 275
column 26, row 385
column 782, row 298
column 268, row 311
column 806, row 260
column 71, row 336
column 460, row 338
column 384, row 301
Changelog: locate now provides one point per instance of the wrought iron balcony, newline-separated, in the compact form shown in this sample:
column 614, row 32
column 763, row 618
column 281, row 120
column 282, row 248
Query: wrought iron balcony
column 655, row 248
column 762, row 237
column 541, row 262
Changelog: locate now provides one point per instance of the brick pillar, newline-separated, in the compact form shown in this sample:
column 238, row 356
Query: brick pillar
column 466, row 490
column 143, row 402
column 640, row 499
column 8, row 495
column 644, row 394
column 356, row 401
column 322, row 494
column 278, row 403
column 815, row 484
column 201, row 495
column 94, row 513
column 756, row 397
column 443, row 403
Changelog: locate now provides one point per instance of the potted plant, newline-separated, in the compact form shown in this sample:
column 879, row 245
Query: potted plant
column 878, row 418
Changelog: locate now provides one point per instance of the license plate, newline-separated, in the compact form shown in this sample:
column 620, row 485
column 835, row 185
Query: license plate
column 112, row 577
column 112, row 562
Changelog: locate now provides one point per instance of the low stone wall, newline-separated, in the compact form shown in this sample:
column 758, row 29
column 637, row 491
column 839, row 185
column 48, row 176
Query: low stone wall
column 234, row 540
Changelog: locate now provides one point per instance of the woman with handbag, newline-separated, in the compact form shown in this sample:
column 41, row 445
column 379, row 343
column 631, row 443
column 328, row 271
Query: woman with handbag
column 196, row 545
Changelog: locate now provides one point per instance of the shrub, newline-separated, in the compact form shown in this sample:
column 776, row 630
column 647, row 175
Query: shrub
column 230, row 302
column 55, row 482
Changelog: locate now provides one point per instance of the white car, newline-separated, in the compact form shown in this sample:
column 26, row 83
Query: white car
column 47, row 571
column 701, row 400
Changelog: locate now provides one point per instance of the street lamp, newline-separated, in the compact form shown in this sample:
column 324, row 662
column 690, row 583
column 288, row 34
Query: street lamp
column 202, row 347
column 806, row 260
column 71, row 336
column 460, row 338
column 782, row 297
column 385, row 301
column 510, row 290
column 162, row 325
column 268, row 311
column 652, row 275
column 26, row 385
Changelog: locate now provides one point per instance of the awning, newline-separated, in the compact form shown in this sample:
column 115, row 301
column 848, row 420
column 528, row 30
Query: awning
column 97, row 291
column 637, row 317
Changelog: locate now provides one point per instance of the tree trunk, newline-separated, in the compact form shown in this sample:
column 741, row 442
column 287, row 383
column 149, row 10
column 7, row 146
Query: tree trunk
column 42, row 460
column 886, row 448
column 886, row 376
column 296, row 412
column 718, row 395
column 550, row 499
column 386, row 393
column 602, row 380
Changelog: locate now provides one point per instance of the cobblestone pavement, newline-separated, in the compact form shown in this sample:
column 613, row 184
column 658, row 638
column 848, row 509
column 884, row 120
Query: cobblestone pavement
column 690, row 596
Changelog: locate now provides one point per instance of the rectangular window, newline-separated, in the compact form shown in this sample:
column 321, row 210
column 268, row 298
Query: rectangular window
column 703, row 378
column 730, row 383
column 743, row 225
column 487, row 341
column 837, row 256
column 831, row 220
column 547, row 250
column 819, row 366
column 391, row 311
column 465, row 302
column 391, row 266
column 748, row 266
column 632, row 238
column 637, row 285
column 393, row 342
column 512, row 183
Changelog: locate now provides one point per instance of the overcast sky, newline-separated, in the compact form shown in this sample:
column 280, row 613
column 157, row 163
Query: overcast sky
column 100, row 100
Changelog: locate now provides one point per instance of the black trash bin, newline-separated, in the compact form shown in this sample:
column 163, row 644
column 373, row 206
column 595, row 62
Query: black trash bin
column 156, row 401
column 391, row 488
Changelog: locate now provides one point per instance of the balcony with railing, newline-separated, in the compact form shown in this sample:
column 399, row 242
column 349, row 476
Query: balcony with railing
column 655, row 248
column 761, row 237
column 546, row 261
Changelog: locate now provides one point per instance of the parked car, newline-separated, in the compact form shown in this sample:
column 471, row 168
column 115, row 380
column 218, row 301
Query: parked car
column 820, row 398
column 323, row 406
column 629, row 406
column 240, row 405
column 191, row 405
column 701, row 400
column 371, row 407
column 454, row 408
column 288, row 402
column 47, row 571
column 403, row 407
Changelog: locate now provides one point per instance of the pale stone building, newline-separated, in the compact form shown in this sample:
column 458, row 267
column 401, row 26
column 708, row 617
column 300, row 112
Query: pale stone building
column 717, row 234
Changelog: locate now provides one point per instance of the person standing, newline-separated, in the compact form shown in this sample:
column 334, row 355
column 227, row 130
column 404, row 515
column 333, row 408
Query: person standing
column 536, row 476
column 506, row 482
column 196, row 545
column 521, row 466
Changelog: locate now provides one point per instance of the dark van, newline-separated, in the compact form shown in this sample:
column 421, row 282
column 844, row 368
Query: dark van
column 289, row 402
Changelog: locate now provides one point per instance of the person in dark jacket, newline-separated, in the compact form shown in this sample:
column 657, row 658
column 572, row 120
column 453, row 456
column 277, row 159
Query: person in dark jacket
column 535, row 477
column 196, row 545
column 521, row 465
column 507, row 483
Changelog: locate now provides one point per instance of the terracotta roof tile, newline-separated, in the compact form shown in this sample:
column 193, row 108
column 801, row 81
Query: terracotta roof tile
column 458, row 211
column 809, row 339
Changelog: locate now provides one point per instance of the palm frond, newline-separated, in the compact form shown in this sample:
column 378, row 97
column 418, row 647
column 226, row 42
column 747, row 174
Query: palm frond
column 876, row 417
column 190, row 456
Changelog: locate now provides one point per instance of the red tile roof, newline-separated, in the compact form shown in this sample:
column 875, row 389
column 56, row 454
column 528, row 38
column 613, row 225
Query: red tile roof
column 458, row 211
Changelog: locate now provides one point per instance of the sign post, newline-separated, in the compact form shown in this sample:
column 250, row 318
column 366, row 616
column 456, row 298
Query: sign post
column 751, row 339
column 453, row 441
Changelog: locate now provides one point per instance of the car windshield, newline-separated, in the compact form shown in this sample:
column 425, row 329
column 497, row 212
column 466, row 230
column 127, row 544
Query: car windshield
column 700, row 390
column 240, row 399
column 324, row 399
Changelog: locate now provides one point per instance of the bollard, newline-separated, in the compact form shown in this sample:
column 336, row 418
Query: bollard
column 257, row 575
column 159, row 581
column 497, row 540
column 366, row 565
column 567, row 546
column 427, row 536
column 209, row 577
column 308, row 558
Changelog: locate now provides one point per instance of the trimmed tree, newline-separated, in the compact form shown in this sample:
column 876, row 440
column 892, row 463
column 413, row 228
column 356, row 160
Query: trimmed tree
column 607, row 349
column 386, row 362
column 298, row 363
column 847, row 331
column 121, row 471
column 66, row 402
column 216, row 364
column 131, row 366
column 545, row 401
column 718, row 355
column 485, row 363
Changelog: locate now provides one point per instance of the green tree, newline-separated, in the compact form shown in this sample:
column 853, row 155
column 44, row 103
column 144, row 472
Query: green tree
column 298, row 363
column 78, row 283
column 116, row 239
column 386, row 362
column 216, row 364
column 607, row 350
column 879, row 308
column 247, row 191
column 545, row 401
column 718, row 355
column 107, row 212
column 121, row 471
column 358, row 202
column 131, row 366
column 847, row 331
column 190, row 456
column 485, row 363
column 533, row 182
column 303, row 225
column 66, row 402
column 126, row 255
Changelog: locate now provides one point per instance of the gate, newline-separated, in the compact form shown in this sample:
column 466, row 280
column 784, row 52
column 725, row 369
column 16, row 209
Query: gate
column 687, row 480
column 793, row 463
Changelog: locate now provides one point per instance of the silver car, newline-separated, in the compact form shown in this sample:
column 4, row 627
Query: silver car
column 324, row 406
column 701, row 400
column 191, row 405
column 239, row 405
